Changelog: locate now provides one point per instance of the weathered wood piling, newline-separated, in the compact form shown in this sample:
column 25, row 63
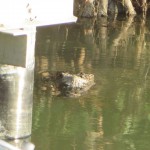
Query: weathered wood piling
column 103, row 8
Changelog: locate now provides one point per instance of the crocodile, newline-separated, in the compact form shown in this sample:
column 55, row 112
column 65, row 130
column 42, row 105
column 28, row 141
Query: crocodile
column 67, row 84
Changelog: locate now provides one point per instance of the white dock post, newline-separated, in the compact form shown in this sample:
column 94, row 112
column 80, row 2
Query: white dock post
column 18, row 81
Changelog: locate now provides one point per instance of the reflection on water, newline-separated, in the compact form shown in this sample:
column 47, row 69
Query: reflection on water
column 113, row 115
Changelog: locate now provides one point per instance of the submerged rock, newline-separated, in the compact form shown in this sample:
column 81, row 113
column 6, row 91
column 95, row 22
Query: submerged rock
column 66, row 84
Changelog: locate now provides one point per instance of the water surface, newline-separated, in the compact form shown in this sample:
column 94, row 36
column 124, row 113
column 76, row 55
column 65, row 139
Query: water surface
column 115, row 113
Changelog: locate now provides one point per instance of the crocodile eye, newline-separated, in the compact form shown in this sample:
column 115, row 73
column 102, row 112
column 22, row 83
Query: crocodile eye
column 59, row 75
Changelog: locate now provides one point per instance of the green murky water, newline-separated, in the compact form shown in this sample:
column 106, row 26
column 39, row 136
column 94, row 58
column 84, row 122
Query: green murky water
column 115, row 113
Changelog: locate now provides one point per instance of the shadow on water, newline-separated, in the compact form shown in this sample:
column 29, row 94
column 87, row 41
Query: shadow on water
column 115, row 114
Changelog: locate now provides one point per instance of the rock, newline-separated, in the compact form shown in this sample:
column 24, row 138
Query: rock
column 66, row 84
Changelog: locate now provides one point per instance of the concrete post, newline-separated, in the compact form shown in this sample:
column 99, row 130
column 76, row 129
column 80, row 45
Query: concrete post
column 19, row 103
column 17, row 89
